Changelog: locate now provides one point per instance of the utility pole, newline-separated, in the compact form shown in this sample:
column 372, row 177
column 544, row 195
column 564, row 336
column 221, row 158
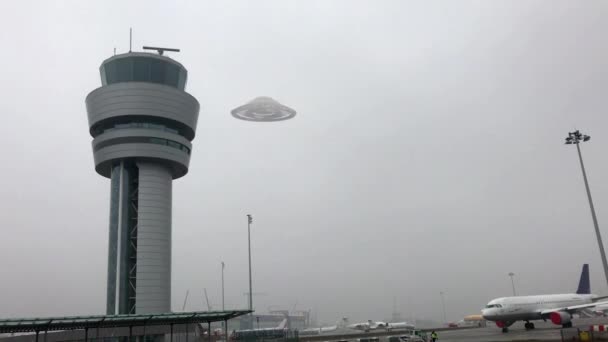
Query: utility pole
column 575, row 138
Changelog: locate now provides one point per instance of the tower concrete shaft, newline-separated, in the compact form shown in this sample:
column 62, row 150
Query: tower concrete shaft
column 142, row 122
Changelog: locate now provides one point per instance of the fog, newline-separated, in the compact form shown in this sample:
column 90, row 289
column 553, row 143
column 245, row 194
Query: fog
column 427, row 154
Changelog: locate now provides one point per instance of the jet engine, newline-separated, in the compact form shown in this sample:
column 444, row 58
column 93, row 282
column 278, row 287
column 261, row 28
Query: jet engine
column 503, row 324
column 560, row 317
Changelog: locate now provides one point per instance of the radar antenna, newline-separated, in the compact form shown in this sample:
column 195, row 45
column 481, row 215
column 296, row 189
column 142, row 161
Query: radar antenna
column 160, row 50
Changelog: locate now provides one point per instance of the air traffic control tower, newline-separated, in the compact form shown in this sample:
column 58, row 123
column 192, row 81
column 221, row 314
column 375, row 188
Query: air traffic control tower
column 142, row 122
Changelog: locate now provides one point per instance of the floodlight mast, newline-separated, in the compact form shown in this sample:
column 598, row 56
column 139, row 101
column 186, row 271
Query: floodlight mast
column 575, row 138
column 511, row 274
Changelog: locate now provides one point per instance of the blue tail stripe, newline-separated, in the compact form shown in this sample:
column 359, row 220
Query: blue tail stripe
column 584, row 286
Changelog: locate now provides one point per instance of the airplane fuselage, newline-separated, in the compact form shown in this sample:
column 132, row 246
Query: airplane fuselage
column 371, row 325
column 527, row 308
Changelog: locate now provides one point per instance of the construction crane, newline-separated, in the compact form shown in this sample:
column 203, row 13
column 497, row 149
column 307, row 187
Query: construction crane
column 207, row 299
column 185, row 300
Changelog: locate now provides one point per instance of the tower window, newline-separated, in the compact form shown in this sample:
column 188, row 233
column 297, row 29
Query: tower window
column 144, row 69
column 157, row 141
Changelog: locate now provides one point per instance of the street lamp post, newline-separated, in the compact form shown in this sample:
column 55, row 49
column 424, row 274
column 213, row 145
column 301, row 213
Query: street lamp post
column 575, row 138
column 249, row 221
column 445, row 320
column 511, row 274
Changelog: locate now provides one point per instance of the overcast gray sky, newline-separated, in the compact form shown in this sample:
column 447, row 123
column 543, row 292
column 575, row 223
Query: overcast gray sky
column 426, row 155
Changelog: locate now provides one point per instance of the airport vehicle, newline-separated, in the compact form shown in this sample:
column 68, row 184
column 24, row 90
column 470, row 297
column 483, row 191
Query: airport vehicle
column 370, row 339
column 559, row 308
column 408, row 336
column 371, row 325
column 263, row 333
column 472, row 321
column 412, row 338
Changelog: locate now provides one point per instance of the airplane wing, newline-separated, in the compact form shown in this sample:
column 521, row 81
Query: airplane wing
column 572, row 309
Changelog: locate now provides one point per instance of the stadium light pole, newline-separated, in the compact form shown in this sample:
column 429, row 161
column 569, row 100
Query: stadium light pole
column 511, row 274
column 249, row 221
column 445, row 320
column 575, row 138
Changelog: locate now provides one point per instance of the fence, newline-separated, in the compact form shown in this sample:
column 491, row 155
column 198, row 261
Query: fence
column 271, row 335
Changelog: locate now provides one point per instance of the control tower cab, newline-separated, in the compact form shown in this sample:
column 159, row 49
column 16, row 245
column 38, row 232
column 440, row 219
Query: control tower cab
column 142, row 122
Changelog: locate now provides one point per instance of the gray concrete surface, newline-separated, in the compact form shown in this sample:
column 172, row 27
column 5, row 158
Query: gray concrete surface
column 545, row 331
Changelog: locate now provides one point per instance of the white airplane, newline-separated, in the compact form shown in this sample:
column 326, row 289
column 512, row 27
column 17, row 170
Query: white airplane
column 317, row 331
column 559, row 308
column 600, row 310
column 400, row 325
column 366, row 326
column 371, row 325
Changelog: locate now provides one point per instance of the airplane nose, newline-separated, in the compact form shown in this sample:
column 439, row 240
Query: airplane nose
column 487, row 314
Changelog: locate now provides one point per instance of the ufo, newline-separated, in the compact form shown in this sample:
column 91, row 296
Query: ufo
column 263, row 109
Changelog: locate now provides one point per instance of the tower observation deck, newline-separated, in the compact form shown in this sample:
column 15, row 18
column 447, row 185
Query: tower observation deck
column 142, row 122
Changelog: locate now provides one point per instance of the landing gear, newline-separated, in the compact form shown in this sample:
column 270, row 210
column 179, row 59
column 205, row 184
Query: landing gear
column 505, row 330
column 567, row 325
column 529, row 326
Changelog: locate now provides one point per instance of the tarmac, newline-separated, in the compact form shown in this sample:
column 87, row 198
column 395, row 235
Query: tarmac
column 545, row 331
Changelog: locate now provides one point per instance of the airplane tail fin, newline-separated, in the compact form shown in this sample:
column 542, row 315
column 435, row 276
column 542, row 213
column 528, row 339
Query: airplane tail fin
column 584, row 286
column 283, row 324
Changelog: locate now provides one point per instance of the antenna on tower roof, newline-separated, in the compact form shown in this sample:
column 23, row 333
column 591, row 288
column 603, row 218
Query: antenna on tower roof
column 130, row 38
column 160, row 50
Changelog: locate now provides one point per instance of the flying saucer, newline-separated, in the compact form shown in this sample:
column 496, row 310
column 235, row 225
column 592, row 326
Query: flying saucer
column 263, row 109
